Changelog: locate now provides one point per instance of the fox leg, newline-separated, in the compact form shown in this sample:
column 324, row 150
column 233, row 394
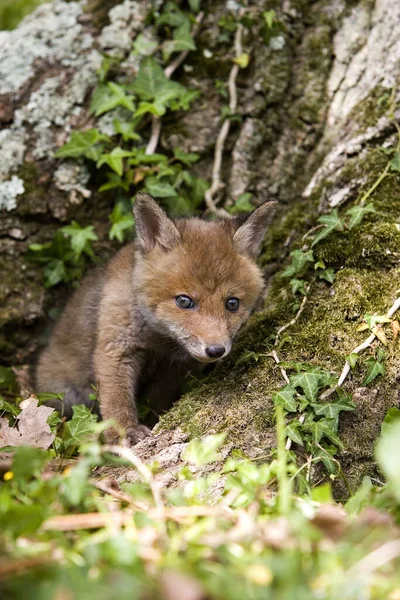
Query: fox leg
column 117, row 376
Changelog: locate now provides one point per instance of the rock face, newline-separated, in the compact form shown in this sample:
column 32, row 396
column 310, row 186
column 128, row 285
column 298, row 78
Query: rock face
column 317, row 102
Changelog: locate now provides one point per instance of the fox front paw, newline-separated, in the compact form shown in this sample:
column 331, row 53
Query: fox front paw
column 135, row 435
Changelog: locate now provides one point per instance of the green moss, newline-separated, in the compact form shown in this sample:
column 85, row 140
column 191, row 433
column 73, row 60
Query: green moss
column 368, row 111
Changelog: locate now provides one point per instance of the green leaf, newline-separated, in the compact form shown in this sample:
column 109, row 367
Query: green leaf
column 322, row 493
column 153, row 108
column 332, row 222
column 78, row 429
column 187, row 158
column 182, row 40
column 151, row 83
column 75, row 484
column 159, row 188
column 298, row 285
column 114, row 159
column 374, row 369
column 109, row 96
column 269, row 18
column 54, row 273
column 83, row 143
column 387, row 455
column 81, row 238
column 361, row 498
column 300, row 261
column 320, row 429
column 331, row 410
column 121, row 223
column 327, row 274
column 202, row 452
column 309, row 382
column 285, row 398
column 373, row 320
column 357, row 214
column 325, row 454
column 293, row 433
column 392, row 415
column 144, row 46
column 126, row 129
column 352, row 360
column 395, row 162
column 242, row 204
column 242, row 60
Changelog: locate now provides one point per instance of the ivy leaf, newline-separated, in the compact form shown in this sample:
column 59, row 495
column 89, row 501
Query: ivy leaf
column 121, row 223
column 320, row 429
column 242, row 60
column 109, row 96
column 144, row 46
column 352, row 360
column 309, row 382
column 187, row 158
column 325, row 455
column 182, row 40
column 159, row 188
column 332, row 222
column 154, row 108
column 83, row 143
column 78, row 428
column 298, row 285
column 374, row 369
column 126, row 129
column 54, row 273
column 81, row 238
column 373, row 320
column 151, row 83
column 300, row 260
column 395, row 162
column 331, row 410
column 327, row 274
column 114, row 159
column 293, row 433
column 357, row 214
column 285, row 398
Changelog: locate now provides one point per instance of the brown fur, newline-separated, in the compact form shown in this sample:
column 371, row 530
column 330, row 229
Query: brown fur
column 123, row 329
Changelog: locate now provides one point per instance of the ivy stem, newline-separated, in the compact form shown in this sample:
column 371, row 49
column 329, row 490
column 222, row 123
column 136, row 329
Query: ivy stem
column 216, row 183
column 168, row 72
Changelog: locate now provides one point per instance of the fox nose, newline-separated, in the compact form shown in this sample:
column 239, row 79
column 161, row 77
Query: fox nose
column 215, row 351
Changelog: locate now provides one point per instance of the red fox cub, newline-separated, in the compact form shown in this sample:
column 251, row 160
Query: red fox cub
column 173, row 299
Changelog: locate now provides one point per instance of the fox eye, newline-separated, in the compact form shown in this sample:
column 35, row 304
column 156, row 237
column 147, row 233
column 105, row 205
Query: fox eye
column 184, row 301
column 232, row 304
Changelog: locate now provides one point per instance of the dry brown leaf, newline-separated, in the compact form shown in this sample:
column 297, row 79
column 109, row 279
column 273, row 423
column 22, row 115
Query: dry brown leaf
column 32, row 428
column 395, row 329
column 378, row 331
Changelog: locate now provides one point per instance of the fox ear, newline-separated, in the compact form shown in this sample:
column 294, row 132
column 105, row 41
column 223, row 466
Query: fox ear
column 152, row 224
column 249, row 234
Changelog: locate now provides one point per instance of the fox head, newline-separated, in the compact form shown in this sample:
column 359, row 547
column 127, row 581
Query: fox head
column 197, row 281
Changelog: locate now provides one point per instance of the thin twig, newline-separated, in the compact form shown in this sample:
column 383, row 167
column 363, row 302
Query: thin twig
column 216, row 183
column 295, row 318
column 282, row 370
column 366, row 344
column 168, row 72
